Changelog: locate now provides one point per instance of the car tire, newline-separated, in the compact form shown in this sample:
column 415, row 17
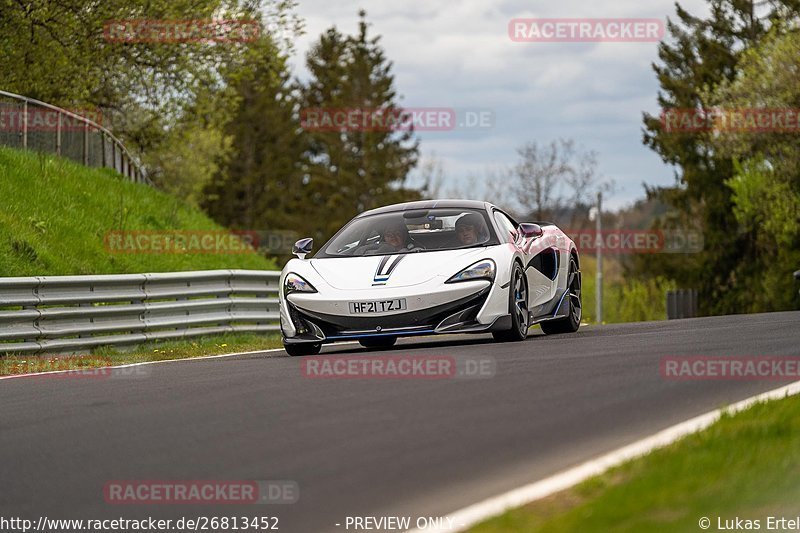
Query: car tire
column 517, row 306
column 378, row 342
column 299, row 350
column 572, row 321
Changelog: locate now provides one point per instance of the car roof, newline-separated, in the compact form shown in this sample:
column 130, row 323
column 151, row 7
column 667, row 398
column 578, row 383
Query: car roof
column 427, row 204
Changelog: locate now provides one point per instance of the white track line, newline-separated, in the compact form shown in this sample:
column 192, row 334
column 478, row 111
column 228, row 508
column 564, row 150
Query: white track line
column 129, row 365
column 469, row 516
column 199, row 358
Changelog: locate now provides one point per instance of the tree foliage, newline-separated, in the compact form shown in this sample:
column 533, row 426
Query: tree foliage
column 765, row 186
column 259, row 186
column 702, row 54
column 282, row 176
column 154, row 95
column 354, row 169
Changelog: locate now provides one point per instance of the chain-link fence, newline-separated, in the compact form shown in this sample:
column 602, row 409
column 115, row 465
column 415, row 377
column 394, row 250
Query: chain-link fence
column 33, row 125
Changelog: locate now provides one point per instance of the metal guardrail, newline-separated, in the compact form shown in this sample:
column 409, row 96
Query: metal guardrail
column 681, row 303
column 64, row 133
column 56, row 314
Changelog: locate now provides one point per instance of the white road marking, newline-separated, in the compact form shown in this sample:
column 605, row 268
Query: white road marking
column 129, row 365
column 469, row 516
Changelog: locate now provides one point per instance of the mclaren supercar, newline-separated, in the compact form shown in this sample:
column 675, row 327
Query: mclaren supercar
column 430, row 267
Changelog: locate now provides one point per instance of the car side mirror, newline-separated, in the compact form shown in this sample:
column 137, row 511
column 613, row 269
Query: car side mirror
column 528, row 230
column 303, row 247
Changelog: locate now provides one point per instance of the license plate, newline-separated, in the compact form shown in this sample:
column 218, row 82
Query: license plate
column 377, row 306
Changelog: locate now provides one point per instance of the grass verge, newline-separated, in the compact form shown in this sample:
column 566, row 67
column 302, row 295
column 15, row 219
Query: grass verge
column 625, row 299
column 745, row 466
column 159, row 351
column 56, row 215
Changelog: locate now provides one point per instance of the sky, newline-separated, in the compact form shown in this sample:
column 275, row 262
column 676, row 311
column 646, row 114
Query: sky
column 458, row 55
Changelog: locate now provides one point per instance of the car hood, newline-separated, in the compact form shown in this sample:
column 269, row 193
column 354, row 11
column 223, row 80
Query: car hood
column 399, row 270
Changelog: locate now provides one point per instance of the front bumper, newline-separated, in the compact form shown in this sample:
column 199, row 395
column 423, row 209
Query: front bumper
column 452, row 308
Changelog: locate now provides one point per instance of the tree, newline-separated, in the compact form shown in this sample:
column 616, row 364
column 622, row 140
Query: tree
column 704, row 53
column 765, row 186
column 194, row 150
column 555, row 182
column 63, row 51
column 153, row 95
column 260, row 184
column 352, row 169
column 553, row 178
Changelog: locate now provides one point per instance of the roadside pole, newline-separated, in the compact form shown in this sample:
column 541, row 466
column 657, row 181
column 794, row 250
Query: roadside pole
column 598, row 228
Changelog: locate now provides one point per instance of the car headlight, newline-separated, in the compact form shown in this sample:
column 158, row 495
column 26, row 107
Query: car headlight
column 483, row 269
column 294, row 283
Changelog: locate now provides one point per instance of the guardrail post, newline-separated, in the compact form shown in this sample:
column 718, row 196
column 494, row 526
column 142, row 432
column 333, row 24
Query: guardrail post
column 681, row 303
column 86, row 143
column 229, row 308
column 25, row 125
column 35, row 323
column 797, row 275
column 671, row 308
column 103, row 147
column 58, row 135
column 91, row 321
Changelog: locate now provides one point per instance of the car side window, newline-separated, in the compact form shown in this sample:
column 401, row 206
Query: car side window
column 507, row 227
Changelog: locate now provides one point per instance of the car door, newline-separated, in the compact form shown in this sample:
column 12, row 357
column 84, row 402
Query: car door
column 540, row 285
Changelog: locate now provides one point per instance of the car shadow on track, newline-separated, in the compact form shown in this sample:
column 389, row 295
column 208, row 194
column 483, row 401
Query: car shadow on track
column 421, row 343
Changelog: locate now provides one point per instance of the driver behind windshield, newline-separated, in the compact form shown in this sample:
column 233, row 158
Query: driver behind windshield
column 394, row 238
column 471, row 229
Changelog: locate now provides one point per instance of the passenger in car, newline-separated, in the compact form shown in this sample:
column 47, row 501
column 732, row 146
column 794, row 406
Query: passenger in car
column 471, row 229
column 394, row 238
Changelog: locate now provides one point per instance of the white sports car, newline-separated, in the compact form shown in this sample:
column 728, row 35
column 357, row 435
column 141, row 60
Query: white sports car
column 429, row 267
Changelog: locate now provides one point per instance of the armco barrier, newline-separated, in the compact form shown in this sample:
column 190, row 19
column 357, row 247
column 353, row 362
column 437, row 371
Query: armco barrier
column 59, row 314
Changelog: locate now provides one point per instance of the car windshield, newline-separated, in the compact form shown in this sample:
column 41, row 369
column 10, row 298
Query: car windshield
column 411, row 231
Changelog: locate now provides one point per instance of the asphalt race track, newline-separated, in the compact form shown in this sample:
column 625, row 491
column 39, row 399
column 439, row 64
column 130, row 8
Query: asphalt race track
column 364, row 447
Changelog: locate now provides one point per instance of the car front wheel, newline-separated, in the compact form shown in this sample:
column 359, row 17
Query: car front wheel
column 518, row 305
